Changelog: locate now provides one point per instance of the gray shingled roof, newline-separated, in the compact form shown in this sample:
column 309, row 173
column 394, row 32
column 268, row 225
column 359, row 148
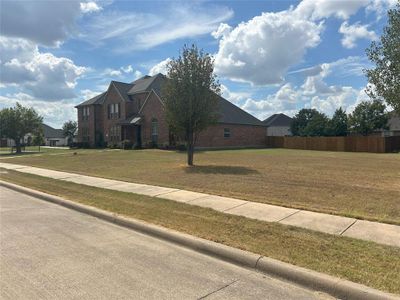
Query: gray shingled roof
column 232, row 114
column 123, row 89
column 146, row 84
column 50, row 132
column 278, row 120
column 99, row 99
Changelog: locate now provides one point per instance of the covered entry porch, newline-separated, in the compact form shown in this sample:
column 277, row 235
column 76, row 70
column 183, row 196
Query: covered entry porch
column 131, row 130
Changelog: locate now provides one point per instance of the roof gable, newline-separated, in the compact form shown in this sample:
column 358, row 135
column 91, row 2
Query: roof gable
column 147, row 83
column 99, row 99
column 50, row 132
column 148, row 98
column 278, row 120
column 232, row 114
column 122, row 89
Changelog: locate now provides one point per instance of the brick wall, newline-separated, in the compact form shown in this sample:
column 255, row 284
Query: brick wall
column 113, row 97
column 134, row 106
column 240, row 136
column 154, row 109
column 87, row 125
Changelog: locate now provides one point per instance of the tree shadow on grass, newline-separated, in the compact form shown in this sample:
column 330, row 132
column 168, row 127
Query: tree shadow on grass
column 213, row 169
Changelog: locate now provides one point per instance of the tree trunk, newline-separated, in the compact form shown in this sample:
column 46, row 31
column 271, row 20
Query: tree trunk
column 18, row 146
column 190, row 150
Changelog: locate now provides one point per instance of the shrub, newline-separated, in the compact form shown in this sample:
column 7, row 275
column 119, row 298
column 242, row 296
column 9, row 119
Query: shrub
column 126, row 144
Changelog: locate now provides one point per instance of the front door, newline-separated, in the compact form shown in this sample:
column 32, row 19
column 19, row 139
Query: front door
column 138, row 136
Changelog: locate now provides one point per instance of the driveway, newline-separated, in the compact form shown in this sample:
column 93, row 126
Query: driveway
column 51, row 252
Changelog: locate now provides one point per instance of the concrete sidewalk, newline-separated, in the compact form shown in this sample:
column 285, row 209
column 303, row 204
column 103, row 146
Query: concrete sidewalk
column 365, row 230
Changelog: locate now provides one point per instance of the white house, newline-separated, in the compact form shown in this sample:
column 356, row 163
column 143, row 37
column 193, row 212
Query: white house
column 278, row 125
column 393, row 124
column 52, row 137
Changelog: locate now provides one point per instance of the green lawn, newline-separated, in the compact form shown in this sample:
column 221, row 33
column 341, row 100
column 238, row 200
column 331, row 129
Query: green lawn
column 361, row 185
column 360, row 261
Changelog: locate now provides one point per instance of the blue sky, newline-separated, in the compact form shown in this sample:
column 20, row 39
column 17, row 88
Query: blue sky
column 270, row 56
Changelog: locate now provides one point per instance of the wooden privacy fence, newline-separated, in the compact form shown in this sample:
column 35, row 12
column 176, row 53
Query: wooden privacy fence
column 375, row 144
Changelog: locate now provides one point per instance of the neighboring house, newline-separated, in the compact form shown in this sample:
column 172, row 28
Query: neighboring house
column 52, row 137
column 393, row 124
column 278, row 125
column 136, row 112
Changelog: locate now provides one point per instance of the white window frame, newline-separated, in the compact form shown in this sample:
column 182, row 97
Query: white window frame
column 227, row 133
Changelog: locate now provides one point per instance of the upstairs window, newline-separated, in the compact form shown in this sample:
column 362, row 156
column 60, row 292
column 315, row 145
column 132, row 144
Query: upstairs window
column 227, row 132
column 85, row 113
column 114, row 111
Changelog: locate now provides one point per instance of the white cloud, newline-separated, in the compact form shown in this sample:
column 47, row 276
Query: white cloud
column 320, row 9
column 261, row 50
column 352, row 33
column 112, row 72
column 313, row 93
column 342, row 9
column 137, row 74
column 222, row 30
column 160, row 67
column 285, row 100
column 88, row 94
column 380, row 7
column 54, row 113
column 127, row 69
column 138, row 31
column 311, row 71
column 264, row 49
column 234, row 97
column 44, row 22
column 89, row 7
column 350, row 66
column 44, row 75
column 124, row 72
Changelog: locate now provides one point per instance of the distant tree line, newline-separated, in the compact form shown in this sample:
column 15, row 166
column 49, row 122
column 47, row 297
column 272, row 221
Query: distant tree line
column 367, row 117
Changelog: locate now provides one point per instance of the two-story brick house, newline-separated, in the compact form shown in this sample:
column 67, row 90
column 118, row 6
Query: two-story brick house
column 136, row 112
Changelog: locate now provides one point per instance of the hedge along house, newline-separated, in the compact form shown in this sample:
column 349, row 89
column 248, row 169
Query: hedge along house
column 135, row 112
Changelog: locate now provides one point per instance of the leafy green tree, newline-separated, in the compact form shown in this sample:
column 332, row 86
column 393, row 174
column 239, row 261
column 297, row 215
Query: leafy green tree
column 338, row 125
column 191, row 95
column 317, row 126
column 309, row 122
column 16, row 122
column 384, row 79
column 368, row 116
column 38, row 139
column 69, row 128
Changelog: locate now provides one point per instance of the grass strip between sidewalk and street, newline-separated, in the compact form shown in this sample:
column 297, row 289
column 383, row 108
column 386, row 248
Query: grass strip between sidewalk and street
column 368, row 263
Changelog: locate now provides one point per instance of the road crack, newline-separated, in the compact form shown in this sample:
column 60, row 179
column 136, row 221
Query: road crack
column 219, row 289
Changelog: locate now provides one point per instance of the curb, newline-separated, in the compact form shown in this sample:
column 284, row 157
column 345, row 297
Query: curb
column 334, row 286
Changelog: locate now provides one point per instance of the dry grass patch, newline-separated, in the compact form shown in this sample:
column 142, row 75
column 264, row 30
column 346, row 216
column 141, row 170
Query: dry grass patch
column 361, row 185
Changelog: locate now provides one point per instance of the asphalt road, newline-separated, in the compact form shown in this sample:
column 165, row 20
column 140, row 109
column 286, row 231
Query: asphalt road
column 51, row 252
